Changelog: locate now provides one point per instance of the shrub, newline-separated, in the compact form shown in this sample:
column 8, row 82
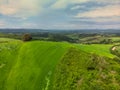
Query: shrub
column 27, row 37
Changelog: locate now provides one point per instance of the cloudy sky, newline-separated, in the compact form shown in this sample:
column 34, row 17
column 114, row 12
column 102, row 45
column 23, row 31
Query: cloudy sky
column 60, row 14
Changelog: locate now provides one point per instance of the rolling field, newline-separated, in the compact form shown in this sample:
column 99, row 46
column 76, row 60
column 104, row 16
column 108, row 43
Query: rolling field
column 115, row 38
column 8, row 54
column 42, row 65
column 100, row 49
column 33, row 65
column 36, row 64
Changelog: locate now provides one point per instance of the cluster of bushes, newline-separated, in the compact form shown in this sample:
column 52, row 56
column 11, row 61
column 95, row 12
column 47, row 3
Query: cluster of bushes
column 106, row 41
column 59, row 37
column 27, row 37
column 98, row 41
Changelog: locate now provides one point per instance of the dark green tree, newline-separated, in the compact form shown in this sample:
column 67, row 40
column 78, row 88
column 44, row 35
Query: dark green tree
column 27, row 37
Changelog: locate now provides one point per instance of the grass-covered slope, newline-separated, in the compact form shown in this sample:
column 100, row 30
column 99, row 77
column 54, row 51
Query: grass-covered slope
column 38, row 65
column 79, row 70
column 8, row 54
column 100, row 49
column 35, row 65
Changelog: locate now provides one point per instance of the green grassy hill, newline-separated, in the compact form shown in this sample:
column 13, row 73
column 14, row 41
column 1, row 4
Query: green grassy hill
column 35, row 65
column 9, row 49
column 100, row 49
column 39, row 65
column 79, row 70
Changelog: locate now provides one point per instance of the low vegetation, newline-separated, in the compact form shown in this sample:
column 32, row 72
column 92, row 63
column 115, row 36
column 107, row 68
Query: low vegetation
column 100, row 49
column 82, row 71
column 8, row 54
column 27, row 37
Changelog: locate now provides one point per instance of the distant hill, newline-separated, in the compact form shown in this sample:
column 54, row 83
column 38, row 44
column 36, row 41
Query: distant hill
column 60, row 31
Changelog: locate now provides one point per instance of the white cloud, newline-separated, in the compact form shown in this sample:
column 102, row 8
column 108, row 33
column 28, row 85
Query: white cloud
column 77, row 7
column 2, row 23
column 7, row 10
column 21, row 8
column 106, row 1
column 98, row 20
column 111, row 19
column 108, row 11
column 59, row 4
column 29, row 24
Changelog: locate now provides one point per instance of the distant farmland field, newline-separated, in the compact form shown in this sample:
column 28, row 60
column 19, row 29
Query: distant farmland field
column 100, row 49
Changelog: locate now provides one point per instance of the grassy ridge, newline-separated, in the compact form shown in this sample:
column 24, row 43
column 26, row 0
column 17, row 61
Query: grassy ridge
column 8, row 54
column 35, row 65
column 79, row 70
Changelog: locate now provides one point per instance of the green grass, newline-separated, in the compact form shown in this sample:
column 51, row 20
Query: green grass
column 115, row 38
column 8, row 54
column 100, row 49
column 36, row 65
column 79, row 70
column 7, row 39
